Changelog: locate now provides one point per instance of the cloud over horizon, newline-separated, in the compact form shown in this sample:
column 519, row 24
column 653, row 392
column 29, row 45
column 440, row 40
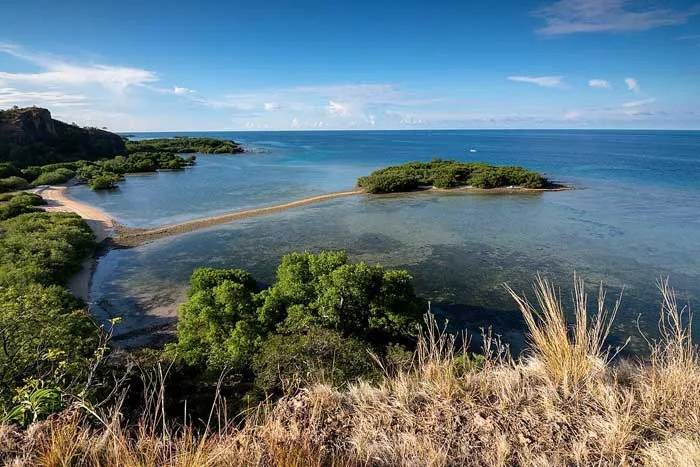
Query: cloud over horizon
column 599, row 83
column 544, row 81
column 131, row 99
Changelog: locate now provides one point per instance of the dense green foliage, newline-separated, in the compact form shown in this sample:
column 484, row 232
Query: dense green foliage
column 317, row 353
column 50, row 174
column 8, row 169
column 185, row 145
column 12, row 205
column 12, row 184
column 56, row 177
column 321, row 314
column 449, row 174
column 47, row 337
column 106, row 174
column 105, row 181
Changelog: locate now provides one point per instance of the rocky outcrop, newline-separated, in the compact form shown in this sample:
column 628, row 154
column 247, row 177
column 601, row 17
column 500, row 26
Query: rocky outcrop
column 30, row 136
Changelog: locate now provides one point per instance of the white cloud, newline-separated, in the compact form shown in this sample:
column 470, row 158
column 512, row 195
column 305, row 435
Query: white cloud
column 110, row 77
column 599, row 83
column 632, row 84
column 295, row 123
column 572, row 115
column 641, row 103
column 582, row 16
column 182, row 91
column 336, row 108
column 270, row 106
column 12, row 96
column 544, row 81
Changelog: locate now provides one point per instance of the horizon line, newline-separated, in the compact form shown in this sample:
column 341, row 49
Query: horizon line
column 376, row 130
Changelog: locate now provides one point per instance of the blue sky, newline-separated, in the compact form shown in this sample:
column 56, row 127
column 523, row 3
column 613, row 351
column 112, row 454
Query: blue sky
column 362, row 64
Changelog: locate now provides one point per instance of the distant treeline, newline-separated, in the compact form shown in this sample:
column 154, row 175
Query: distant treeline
column 440, row 173
column 141, row 156
column 185, row 145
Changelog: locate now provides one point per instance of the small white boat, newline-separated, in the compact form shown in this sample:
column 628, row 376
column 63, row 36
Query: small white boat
column 472, row 150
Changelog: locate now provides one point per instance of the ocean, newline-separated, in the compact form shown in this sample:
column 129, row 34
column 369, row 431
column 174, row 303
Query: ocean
column 631, row 219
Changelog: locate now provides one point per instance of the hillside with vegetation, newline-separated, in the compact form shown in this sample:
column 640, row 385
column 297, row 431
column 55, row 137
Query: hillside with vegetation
column 30, row 136
column 446, row 174
column 38, row 150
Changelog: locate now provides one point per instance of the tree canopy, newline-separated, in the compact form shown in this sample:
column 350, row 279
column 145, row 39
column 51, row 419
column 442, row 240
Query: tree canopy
column 318, row 300
column 185, row 145
column 46, row 335
column 440, row 173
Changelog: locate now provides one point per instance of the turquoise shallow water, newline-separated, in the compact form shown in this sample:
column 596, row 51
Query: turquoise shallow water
column 632, row 218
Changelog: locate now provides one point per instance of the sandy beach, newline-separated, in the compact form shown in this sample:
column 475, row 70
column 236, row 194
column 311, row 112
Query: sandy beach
column 57, row 200
column 100, row 223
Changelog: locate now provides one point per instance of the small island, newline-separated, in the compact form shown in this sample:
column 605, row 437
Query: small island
column 185, row 145
column 150, row 155
column 450, row 174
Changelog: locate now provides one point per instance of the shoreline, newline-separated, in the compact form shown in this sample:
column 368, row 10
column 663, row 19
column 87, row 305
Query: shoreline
column 102, row 225
column 499, row 190
column 111, row 234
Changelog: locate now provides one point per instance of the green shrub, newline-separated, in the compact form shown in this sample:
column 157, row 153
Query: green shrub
column 56, row 177
column 9, row 170
column 320, row 307
column 13, row 183
column 105, row 181
column 12, row 205
column 31, row 173
column 317, row 355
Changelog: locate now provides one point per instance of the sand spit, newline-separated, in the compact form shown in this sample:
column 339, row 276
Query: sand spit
column 128, row 237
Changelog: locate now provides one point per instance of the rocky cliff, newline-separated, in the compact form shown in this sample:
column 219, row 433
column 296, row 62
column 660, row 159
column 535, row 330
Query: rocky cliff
column 30, row 136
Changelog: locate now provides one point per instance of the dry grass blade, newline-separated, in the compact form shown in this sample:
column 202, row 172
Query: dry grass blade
column 570, row 356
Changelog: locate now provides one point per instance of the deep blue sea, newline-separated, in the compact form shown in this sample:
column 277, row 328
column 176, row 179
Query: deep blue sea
column 633, row 217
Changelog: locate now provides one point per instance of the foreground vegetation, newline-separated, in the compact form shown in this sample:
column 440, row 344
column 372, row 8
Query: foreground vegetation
column 320, row 316
column 47, row 338
column 440, row 173
column 563, row 403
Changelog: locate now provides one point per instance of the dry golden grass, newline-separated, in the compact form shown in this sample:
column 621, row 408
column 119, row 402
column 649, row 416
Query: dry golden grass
column 565, row 403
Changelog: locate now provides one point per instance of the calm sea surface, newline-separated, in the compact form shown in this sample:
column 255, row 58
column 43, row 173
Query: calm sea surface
column 635, row 216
